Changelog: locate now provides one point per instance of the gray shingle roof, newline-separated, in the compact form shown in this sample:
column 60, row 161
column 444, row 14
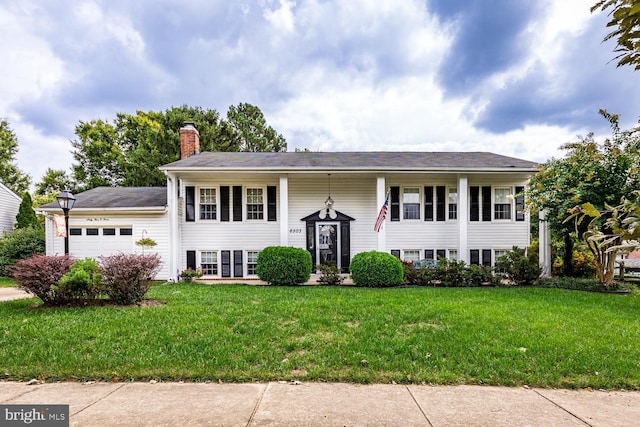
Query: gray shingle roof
column 387, row 160
column 118, row 197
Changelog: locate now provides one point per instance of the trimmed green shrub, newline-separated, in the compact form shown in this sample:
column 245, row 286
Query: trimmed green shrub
column 518, row 267
column 376, row 269
column 127, row 277
column 284, row 265
column 330, row 274
column 451, row 273
column 40, row 274
column 481, row 275
column 83, row 281
column 20, row 244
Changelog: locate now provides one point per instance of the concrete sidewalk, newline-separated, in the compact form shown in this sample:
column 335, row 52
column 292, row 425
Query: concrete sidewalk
column 323, row 404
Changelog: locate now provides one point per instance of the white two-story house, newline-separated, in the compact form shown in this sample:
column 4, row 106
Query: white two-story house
column 222, row 208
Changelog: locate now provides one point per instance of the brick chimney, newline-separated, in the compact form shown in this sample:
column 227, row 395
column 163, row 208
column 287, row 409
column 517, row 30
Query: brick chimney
column 189, row 140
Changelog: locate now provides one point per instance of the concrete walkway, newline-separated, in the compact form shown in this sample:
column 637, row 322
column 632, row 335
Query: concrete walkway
column 8, row 294
column 323, row 404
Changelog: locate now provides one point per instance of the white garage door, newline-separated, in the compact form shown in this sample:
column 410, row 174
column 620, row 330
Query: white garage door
column 92, row 242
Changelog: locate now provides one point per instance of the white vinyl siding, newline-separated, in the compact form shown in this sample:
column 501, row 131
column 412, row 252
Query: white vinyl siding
column 9, row 205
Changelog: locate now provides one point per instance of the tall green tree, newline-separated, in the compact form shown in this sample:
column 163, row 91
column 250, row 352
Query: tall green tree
column 10, row 174
column 252, row 131
column 53, row 182
column 129, row 151
column 26, row 216
column 625, row 21
column 598, row 173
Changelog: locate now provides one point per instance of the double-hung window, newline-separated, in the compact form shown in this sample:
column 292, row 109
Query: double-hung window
column 252, row 262
column 453, row 203
column 208, row 204
column 209, row 263
column 255, row 203
column 502, row 203
column 411, row 255
column 411, row 203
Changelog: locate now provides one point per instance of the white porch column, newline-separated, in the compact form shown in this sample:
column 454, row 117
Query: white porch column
column 381, row 194
column 463, row 218
column 174, row 234
column 284, row 210
column 544, row 244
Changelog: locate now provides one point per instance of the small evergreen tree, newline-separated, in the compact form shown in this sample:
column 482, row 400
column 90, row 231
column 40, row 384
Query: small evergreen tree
column 26, row 216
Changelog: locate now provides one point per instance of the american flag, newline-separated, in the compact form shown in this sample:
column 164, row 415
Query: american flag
column 382, row 215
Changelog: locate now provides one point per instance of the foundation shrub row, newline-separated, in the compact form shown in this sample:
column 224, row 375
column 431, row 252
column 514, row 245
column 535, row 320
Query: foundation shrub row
column 60, row 280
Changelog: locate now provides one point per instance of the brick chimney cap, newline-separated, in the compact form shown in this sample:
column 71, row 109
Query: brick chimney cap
column 189, row 125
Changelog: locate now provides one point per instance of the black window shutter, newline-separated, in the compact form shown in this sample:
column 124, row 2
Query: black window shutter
column 191, row 260
column 311, row 241
column 486, row 203
column 226, row 264
column 440, row 202
column 519, row 203
column 475, row 256
column 395, row 253
column 345, row 231
column 237, row 264
column 190, row 204
column 237, row 203
column 486, row 257
column 428, row 203
column 474, row 213
column 428, row 254
column 395, row 203
column 224, row 203
column 271, row 203
column 441, row 253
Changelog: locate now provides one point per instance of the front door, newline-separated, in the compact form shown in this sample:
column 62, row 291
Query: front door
column 328, row 242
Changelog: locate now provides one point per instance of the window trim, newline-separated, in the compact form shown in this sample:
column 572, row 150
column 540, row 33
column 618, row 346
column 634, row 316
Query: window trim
column 247, row 263
column 449, row 204
column 417, row 251
column 216, row 204
column 418, row 204
column 217, row 262
column 245, row 202
column 494, row 205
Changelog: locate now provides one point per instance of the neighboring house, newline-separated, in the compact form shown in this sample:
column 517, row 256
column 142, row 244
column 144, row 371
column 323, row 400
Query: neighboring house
column 9, row 206
column 107, row 220
column 223, row 208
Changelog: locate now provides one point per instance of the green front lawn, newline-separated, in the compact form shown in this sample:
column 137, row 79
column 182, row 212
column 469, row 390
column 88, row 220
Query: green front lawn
column 6, row 282
column 499, row 336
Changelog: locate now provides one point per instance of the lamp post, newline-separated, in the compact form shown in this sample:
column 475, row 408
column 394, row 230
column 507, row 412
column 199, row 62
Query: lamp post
column 66, row 202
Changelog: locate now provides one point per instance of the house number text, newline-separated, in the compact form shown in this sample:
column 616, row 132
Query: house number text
column 295, row 231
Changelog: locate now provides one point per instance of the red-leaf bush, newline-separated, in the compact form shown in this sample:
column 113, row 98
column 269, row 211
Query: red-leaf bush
column 126, row 277
column 40, row 274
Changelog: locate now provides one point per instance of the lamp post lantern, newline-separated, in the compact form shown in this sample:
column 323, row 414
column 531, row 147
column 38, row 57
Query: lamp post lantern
column 66, row 202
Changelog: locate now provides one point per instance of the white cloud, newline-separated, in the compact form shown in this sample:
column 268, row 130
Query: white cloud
column 29, row 66
column 281, row 18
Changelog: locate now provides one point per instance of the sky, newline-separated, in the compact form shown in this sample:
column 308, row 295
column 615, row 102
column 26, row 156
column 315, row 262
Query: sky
column 513, row 77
